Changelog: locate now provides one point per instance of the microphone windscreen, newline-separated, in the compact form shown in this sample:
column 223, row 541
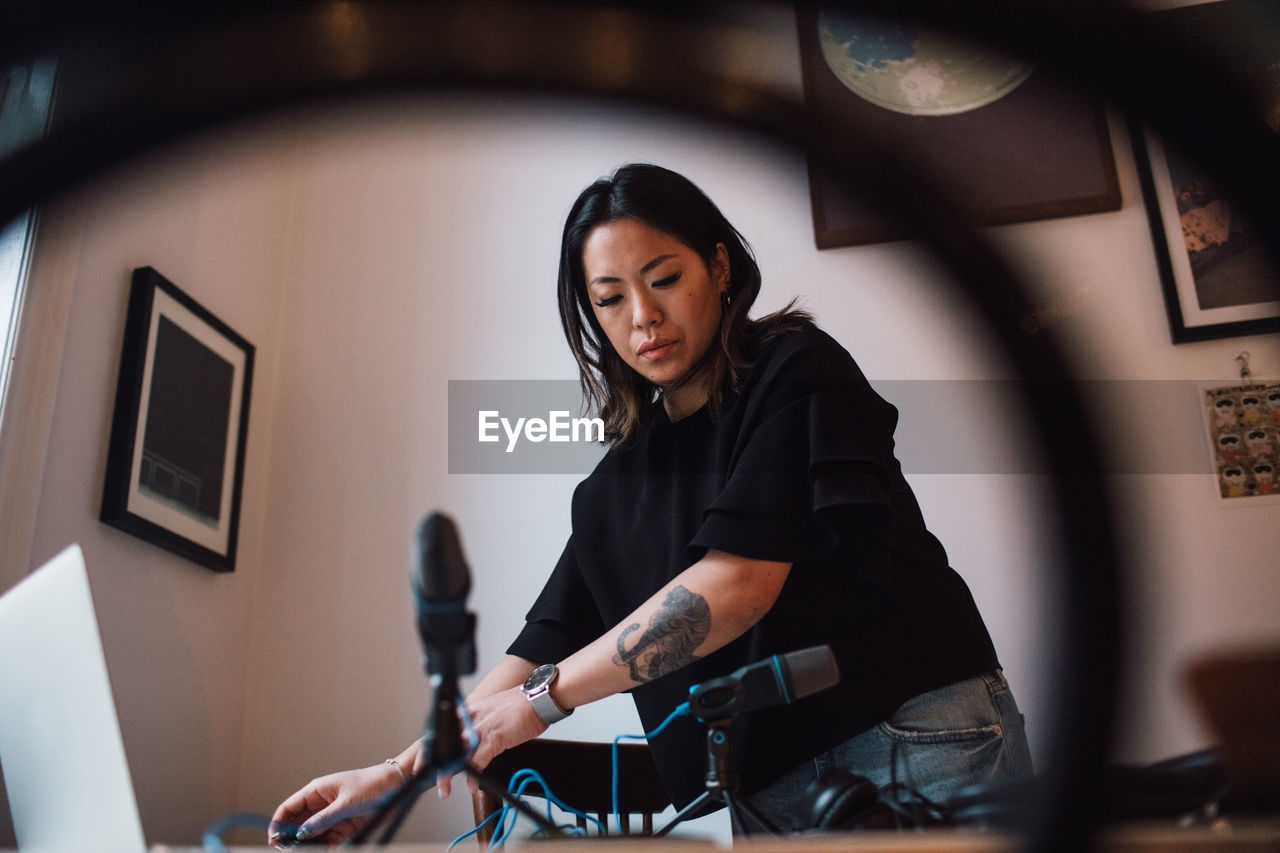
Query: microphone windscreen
column 811, row 670
column 440, row 573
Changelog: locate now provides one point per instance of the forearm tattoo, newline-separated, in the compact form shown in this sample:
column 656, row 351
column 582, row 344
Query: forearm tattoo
column 674, row 632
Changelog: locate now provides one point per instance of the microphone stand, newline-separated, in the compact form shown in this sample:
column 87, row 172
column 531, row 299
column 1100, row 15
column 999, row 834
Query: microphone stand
column 443, row 749
column 717, row 703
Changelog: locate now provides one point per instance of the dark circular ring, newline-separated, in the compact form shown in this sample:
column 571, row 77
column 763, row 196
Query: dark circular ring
column 164, row 72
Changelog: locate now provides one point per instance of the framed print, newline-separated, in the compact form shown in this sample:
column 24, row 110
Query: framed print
column 1218, row 277
column 1012, row 143
column 175, row 464
column 1242, row 422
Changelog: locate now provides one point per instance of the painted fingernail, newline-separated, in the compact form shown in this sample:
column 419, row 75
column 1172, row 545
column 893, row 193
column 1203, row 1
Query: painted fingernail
column 303, row 832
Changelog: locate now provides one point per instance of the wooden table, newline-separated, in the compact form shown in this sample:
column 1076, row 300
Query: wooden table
column 1235, row 836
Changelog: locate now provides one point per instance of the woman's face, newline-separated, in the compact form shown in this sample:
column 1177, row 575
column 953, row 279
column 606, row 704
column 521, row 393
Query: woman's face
column 657, row 301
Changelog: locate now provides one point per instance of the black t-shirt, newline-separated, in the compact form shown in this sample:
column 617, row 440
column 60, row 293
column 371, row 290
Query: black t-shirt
column 797, row 466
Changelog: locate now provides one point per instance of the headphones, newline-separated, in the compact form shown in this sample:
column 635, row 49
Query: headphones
column 840, row 800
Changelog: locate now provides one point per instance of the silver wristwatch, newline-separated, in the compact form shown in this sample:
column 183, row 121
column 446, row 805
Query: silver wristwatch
column 537, row 687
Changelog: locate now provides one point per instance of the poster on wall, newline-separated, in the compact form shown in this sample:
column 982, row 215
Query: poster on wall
column 1002, row 134
column 175, row 464
column 1242, row 422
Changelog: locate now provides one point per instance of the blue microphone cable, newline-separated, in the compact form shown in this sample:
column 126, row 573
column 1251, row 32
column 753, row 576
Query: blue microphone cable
column 519, row 783
column 680, row 711
column 521, row 779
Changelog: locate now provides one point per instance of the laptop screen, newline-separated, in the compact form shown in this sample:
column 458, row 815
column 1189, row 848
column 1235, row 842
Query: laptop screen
column 60, row 746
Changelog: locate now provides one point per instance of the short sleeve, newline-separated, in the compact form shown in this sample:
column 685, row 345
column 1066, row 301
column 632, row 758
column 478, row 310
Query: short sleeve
column 563, row 619
column 812, row 463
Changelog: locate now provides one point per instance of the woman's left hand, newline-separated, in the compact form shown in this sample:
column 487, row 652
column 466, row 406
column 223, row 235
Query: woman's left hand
column 501, row 721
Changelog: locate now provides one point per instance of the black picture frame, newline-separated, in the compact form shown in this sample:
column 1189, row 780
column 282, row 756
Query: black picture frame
column 1181, row 280
column 1217, row 276
column 1042, row 152
column 175, row 461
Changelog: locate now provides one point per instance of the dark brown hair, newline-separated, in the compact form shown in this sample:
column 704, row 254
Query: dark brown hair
column 671, row 203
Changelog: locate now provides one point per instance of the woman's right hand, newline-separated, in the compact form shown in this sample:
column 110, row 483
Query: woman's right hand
column 333, row 808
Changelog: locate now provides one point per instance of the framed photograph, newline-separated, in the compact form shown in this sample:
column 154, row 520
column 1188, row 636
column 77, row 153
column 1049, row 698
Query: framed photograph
column 1242, row 422
column 175, row 465
column 1012, row 143
column 1218, row 277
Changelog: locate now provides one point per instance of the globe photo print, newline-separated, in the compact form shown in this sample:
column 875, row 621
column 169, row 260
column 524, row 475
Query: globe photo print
column 913, row 70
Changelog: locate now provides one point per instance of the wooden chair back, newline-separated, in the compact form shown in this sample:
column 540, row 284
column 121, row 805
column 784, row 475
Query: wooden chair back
column 580, row 774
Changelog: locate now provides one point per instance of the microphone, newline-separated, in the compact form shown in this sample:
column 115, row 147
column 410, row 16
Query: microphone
column 441, row 582
column 776, row 680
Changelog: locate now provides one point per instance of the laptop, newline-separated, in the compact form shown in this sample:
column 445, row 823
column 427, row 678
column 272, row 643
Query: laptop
column 60, row 746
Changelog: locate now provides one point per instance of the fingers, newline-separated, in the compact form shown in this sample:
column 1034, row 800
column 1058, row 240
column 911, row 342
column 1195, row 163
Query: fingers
column 290, row 814
column 294, row 806
column 502, row 721
column 418, row 758
column 332, row 807
column 336, row 823
column 331, row 825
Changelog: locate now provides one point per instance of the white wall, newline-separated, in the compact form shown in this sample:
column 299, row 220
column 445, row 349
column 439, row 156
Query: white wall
column 176, row 636
column 375, row 257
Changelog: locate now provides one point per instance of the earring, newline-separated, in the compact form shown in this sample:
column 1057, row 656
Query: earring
column 726, row 299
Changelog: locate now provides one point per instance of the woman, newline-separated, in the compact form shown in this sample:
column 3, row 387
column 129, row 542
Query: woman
column 750, row 504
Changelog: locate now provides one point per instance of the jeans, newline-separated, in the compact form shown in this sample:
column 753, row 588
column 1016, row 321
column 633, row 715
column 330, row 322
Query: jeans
column 934, row 744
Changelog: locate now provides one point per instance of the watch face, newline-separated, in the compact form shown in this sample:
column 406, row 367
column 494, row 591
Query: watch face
column 540, row 677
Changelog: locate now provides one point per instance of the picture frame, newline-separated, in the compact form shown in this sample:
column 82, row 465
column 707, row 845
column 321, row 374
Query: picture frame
column 1208, row 294
column 1039, row 151
column 1217, row 277
column 176, row 456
